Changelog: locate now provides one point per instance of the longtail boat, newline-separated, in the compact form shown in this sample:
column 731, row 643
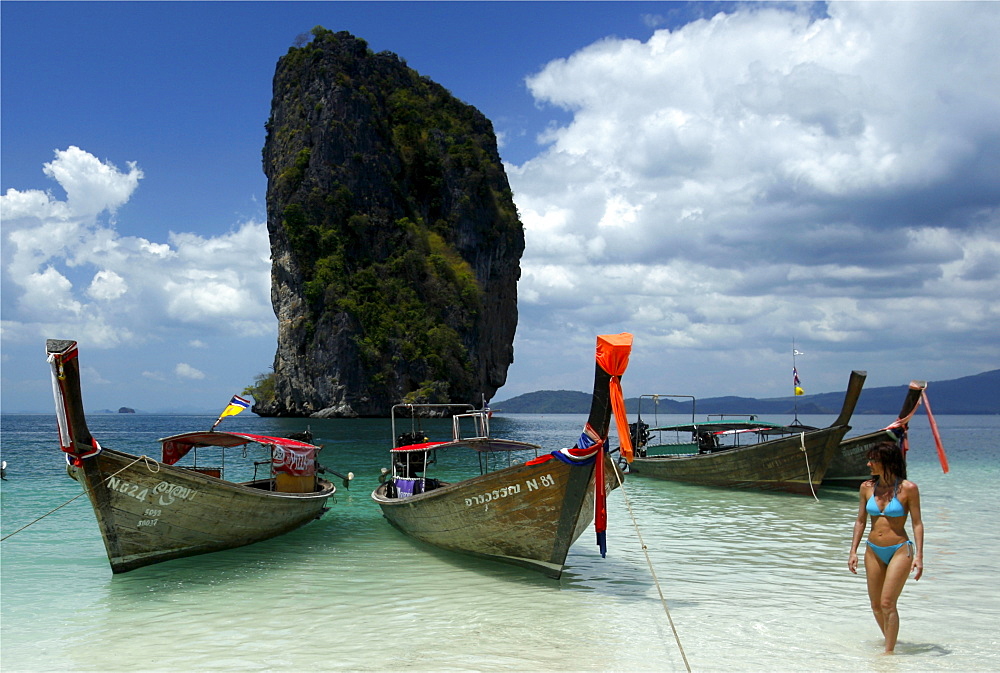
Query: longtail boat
column 522, row 508
column 850, row 464
column 795, row 462
column 152, row 510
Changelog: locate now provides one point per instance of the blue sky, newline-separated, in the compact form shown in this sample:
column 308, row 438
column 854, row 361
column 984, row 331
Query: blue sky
column 717, row 178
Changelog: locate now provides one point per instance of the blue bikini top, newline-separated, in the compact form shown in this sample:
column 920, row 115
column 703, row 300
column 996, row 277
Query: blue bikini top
column 894, row 508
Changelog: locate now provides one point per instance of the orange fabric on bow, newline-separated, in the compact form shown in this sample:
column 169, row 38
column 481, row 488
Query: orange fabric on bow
column 613, row 351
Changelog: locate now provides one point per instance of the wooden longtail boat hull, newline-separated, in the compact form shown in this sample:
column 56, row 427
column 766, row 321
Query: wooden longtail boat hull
column 796, row 463
column 150, row 512
column 527, row 515
column 777, row 465
column 850, row 464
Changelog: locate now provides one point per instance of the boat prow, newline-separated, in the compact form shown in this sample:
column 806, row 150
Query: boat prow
column 849, row 467
column 151, row 510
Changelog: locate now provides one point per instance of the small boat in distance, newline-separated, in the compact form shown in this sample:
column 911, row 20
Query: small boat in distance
column 150, row 511
column 849, row 467
column 718, row 432
column 521, row 508
column 795, row 462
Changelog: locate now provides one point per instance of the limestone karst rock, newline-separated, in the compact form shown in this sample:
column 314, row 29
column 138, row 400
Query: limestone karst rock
column 395, row 241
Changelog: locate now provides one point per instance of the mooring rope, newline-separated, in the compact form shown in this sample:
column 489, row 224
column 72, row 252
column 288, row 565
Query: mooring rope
column 656, row 580
column 31, row 523
column 802, row 445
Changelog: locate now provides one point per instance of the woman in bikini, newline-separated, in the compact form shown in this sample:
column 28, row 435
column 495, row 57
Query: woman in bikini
column 888, row 497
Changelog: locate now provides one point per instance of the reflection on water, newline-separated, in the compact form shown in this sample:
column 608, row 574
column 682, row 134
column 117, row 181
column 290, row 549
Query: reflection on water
column 753, row 581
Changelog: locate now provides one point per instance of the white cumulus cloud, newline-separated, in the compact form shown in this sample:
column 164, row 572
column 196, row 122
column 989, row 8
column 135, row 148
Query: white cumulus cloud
column 107, row 285
column 69, row 270
column 764, row 174
column 186, row 371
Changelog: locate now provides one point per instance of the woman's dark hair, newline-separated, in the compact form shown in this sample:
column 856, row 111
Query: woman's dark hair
column 890, row 455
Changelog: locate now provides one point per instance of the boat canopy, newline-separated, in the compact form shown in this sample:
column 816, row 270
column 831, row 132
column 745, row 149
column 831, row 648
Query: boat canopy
column 475, row 443
column 288, row 455
column 732, row 427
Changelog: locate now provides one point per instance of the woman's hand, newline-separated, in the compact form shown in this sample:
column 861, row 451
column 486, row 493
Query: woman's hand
column 918, row 567
column 852, row 562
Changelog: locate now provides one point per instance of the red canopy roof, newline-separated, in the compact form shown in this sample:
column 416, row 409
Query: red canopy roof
column 477, row 443
column 177, row 446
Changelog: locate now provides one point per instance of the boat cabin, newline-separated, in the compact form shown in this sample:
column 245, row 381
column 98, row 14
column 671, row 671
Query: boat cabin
column 291, row 465
column 718, row 432
column 413, row 453
column 712, row 436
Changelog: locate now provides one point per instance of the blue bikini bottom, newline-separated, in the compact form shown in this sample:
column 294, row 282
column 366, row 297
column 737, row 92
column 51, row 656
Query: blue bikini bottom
column 885, row 554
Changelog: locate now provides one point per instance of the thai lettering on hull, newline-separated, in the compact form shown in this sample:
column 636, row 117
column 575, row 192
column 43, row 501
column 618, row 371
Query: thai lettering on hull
column 507, row 491
column 169, row 493
column 127, row 488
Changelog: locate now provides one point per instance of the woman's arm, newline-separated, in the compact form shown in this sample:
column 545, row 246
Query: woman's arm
column 859, row 529
column 913, row 503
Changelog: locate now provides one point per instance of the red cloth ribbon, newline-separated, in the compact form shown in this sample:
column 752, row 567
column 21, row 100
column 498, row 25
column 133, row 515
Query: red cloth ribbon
column 934, row 431
column 613, row 351
column 612, row 355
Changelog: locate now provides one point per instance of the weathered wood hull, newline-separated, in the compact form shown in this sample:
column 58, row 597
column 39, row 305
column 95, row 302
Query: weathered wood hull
column 527, row 515
column 150, row 512
column 850, row 464
column 778, row 465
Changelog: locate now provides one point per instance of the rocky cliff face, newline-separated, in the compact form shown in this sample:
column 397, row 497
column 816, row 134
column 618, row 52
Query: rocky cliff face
column 395, row 241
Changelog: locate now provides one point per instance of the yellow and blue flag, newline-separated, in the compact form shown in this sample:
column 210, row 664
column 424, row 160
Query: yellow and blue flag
column 235, row 406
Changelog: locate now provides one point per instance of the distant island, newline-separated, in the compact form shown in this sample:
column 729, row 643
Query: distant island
column 977, row 394
column 971, row 395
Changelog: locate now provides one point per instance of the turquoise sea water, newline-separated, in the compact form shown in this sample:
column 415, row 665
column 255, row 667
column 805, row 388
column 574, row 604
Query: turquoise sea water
column 752, row 581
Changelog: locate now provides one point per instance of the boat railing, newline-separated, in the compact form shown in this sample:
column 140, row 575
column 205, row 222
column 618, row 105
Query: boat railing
column 642, row 437
column 655, row 397
column 731, row 417
column 416, row 411
column 480, row 424
column 216, row 467
column 470, row 427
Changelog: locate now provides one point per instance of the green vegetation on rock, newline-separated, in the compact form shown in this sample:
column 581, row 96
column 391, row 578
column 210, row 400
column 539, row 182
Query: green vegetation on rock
column 389, row 201
column 262, row 388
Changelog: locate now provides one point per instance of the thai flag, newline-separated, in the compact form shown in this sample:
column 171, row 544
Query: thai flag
column 236, row 405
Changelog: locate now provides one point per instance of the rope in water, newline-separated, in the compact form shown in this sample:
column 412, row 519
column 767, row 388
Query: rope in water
column 802, row 441
column 656, row 580
column 31, row 523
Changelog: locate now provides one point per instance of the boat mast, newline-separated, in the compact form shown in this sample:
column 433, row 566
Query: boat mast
column 796, row 388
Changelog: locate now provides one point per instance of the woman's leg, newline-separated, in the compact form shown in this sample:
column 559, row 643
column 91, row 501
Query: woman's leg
column 875, row 575
column 895, row 576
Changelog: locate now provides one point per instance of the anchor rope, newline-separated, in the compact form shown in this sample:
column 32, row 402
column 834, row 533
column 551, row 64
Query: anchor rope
column 31, row 523
column 802, row 446
column 656, row 580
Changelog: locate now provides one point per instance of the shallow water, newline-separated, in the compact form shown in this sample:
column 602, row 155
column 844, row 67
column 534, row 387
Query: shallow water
column 750, row 581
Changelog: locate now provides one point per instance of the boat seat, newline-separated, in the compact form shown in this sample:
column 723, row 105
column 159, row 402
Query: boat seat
column 286, row 483
column 408, row 486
